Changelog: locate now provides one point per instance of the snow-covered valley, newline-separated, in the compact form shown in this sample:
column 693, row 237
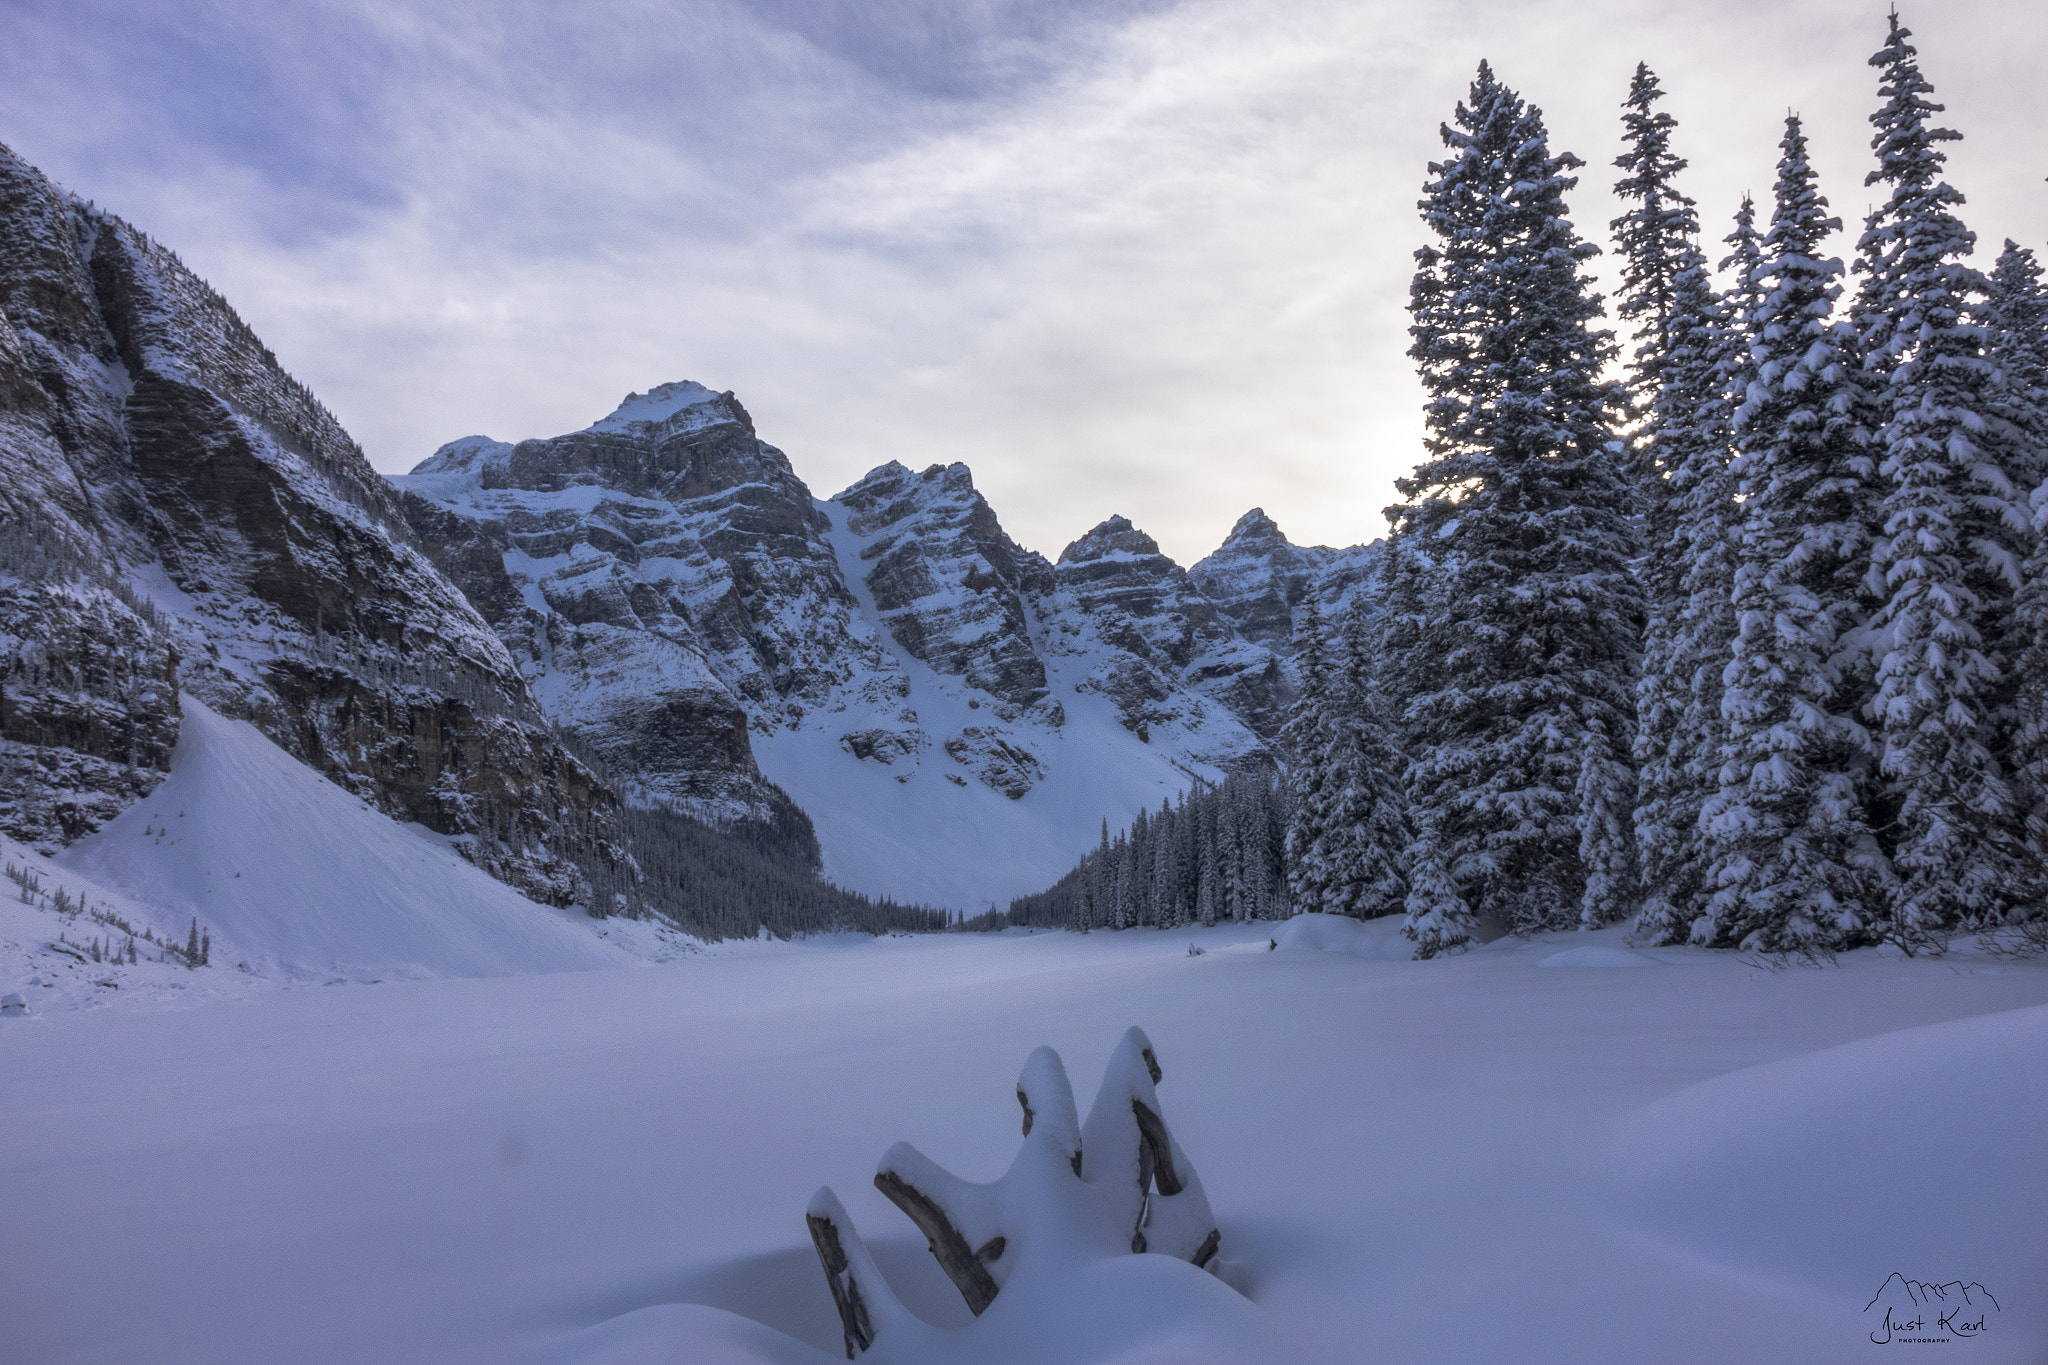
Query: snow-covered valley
column 1481, row 1159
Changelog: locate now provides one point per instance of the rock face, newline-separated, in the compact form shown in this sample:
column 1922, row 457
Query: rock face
column 890, row 657
column 1164, row 647
column 180, row 513
column 1260, row 581
column 663, row 579
column 949, row 586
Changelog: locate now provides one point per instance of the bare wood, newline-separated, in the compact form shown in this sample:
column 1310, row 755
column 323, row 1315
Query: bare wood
column 1155, row 1152
column 964, row 1266
column 1207, row 1250
column 854, row 1323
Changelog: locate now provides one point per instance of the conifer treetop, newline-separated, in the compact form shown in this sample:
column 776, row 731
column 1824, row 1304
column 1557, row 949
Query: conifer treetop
column 1656, row 229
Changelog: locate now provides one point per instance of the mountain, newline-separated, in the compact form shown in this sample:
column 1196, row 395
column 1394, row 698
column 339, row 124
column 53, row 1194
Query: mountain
column 956, row 714
column 183, row 515
column 1259, row 580
column 549, row 652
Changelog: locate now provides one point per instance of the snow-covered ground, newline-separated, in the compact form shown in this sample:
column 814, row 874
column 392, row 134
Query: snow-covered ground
column 1558, row 1150
column 294, row 881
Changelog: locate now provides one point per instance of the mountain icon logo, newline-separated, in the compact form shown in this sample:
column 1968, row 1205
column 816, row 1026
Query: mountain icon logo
column 1922, row 1312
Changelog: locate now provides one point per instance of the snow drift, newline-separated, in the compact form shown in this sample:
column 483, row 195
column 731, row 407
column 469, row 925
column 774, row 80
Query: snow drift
column 293, row 876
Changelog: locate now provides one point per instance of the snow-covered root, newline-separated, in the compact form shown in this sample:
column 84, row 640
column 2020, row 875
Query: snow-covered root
column 1076, row 1193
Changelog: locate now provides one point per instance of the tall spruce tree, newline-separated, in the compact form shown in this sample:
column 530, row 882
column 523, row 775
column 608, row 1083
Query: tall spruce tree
column 1521, row 675
column 1793, row 853
column 1366, row 845
column 2017, row 313
column 1682, row 732
column 1652, row 235
column 1306, row 741
column 1951, row 549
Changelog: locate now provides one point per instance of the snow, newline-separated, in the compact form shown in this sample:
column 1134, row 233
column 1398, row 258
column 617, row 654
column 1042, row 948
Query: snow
column 1378, row 940
column 297, row 879
column 1599, row 955
column 926, row 839
column 1462, row 1160
column 658, row 404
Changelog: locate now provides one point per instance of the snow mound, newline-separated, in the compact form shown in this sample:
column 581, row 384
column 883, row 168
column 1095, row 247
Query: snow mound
column 295, row 877
column 1374, row 940
column 1599, row 955
column 1913, row 1154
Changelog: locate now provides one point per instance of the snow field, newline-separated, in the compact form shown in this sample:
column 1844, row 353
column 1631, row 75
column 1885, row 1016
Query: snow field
column 1463, row 1160
column 297, row 883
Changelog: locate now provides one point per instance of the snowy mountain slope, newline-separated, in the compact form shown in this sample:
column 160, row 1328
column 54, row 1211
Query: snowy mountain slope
column 912, row 792
column 663, row 580
column 176, row 512
column 297, row 879
column 890, row 658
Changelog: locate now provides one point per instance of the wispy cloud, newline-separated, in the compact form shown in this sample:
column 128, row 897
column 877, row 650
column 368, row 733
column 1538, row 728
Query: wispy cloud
column 1143, row 258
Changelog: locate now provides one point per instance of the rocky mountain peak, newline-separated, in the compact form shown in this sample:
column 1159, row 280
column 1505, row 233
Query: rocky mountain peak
column 1113, row 538
column 1255, row 530
column 682, row 402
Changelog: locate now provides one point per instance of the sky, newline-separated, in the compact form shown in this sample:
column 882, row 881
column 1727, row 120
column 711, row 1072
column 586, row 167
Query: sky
column 1142, row 257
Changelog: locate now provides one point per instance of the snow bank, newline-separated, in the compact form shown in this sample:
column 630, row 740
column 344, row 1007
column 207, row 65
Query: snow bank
column 1914, row 1154
column 1599, row 955
column 295, row 877
column 1377, row 940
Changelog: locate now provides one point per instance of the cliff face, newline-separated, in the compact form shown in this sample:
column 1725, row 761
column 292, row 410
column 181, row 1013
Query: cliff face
column 662, row 578
column 890, row 657
column 180, row 513
column 1261, row 582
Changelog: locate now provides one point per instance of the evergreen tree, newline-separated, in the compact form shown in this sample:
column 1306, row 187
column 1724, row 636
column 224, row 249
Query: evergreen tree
column 1793, row 854
column 1652, row 238
column 1681, row 732
column 2017, row 313
column 1367, row 843
column 1515, row 539
column 1950, row 552
column 1306, row 742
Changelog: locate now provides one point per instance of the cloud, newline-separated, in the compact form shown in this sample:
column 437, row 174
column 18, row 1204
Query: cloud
column 1139, row 258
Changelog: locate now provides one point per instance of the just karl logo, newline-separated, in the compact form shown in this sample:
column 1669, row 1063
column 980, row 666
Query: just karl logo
column 1914, row 1311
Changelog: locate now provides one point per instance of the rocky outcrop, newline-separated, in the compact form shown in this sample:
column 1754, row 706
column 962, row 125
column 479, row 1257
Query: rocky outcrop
column 950, row 587
column 181, row 513
column 1168, row 649
column 1260, row 581
column 663, row 579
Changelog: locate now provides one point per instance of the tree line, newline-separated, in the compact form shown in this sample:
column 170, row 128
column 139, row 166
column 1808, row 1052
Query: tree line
column 1750, row 644
column 1215, row 854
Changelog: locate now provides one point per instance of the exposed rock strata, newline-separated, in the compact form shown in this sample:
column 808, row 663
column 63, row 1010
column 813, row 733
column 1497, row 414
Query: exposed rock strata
column 181, row 513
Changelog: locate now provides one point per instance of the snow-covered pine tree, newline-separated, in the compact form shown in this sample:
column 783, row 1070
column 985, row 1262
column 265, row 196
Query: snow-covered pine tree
column 1953, row 532
column 1794, row 860
column 1681, row 732
column 1306, row 741
column 1517, row 537
column 1122, row 892
column 1368, row 837
column 2017, row 313
column 1651, row 237
column 1168, row 867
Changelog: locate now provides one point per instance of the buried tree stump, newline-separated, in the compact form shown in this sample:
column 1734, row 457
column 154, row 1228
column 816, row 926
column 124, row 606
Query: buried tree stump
column 1116, row 1185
